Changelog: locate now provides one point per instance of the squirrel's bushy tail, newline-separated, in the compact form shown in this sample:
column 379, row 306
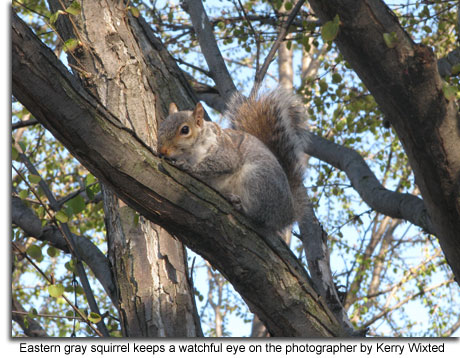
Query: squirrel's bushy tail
column 275, row 118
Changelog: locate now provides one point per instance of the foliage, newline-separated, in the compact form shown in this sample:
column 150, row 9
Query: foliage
column 396, row 279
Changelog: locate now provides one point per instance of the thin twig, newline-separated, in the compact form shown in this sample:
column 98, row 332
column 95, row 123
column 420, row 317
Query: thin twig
column 67, row 235
column 51, row 282
column 282, row 35
column 49, row 316
column 22, row 124
column 254, row 33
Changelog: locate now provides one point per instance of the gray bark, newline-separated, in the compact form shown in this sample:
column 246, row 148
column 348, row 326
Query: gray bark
column 262, row 269
column 406, row 84
column 117, row 58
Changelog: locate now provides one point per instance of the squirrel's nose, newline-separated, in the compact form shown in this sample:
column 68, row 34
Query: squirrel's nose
column 163, row 151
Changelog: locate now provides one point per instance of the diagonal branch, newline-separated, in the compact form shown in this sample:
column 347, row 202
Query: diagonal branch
column 364, row 181
column 68, row 237
column 191, row 211
column 24, row 217
column 447, row 63
column 281, row 36
column 30, row 326
column 209, row 48
column 405, row 83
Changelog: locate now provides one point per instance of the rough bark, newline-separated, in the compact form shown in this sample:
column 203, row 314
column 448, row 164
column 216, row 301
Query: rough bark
column 262, row 269
column 406, row 84
column 116, row 59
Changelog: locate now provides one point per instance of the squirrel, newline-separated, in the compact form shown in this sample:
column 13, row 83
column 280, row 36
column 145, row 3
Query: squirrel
column 258, row 164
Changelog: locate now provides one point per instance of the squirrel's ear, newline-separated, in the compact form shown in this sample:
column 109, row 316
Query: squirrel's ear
column 172, row 108
column 198, row 114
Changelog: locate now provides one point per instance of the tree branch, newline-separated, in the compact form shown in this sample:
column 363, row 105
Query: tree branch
column 30, row 326
column 68, row 237
column 209, row 48
column 281, row 36
column 262, row 269
column 24, row 217
column 405, row 82
column 446, row 64
column 22, row 124
column 363, row 180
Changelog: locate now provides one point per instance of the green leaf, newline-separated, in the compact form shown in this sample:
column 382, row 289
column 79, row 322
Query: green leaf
column 90, row 179
column 14, row 153
column 427, row 29
column 449, row 91
column 70, row 266
column 134, row 11
column 56, row 290
column 455, row 69
column 23, row 194
column 23, row 146
column 77, row 204
column 336, row 78
column 71, row 45
column 34, row 179
column 52, row 251
column 32, row 313
column 35, row 252
column 40, row 211
column 391, row 39
column 94, row 317
column 323, row 86
column 74, row 8
column 61, row 216
column 54, row 17
column 330, row 29
column 288, row 6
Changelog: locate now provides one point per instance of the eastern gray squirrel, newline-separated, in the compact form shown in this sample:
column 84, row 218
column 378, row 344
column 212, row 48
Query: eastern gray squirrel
column 258, row 164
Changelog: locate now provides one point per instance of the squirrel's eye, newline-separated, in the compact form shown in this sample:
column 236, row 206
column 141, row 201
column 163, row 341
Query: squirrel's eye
column 185, row 130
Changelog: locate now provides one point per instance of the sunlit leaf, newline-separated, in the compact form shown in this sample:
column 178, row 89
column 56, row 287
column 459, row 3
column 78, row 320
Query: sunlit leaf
column 35, row 252
column 449, row 91
column 56, row 290
column 62, row 216
column 94, row 317
column 23, row 194
column 391, row 39
column 71, row 45
column 34, row 179
column 330, row 29
column 134, row 11
column 74, row 8
column 77, row 204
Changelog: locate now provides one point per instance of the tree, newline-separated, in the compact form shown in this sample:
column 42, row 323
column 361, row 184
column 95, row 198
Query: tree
column 105, row 113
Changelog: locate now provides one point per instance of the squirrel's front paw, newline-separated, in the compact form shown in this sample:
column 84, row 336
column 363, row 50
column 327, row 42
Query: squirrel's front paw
column 182, row 164
column 236, row 201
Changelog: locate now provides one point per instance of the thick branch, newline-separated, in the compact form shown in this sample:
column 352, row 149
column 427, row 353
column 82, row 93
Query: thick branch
column 446, row 64
column 363, row 180
column 209, row 48
column 263, row 270
column 406, row 84
column 25, row 218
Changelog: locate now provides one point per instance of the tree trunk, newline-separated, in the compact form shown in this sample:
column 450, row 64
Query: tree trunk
column 154, row 300
column 406, row 84
column 262, row 269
